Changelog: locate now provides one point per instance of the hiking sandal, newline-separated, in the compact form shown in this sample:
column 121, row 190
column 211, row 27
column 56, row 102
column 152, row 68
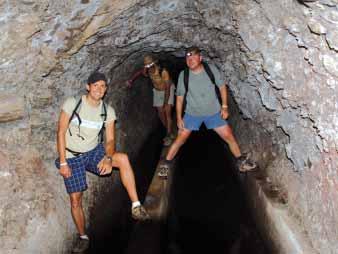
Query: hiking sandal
column 163, row 172
column 81, row 245
column 140, row 213
column 244, row 164
column 168, row 140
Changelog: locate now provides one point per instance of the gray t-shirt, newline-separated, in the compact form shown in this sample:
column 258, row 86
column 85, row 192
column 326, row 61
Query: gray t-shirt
column 201, row 97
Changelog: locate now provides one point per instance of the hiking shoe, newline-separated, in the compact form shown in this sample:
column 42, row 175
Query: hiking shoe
column 139, row 213
column 164, row 169
column 81, row 245
column 244, row 164
column 167, row 141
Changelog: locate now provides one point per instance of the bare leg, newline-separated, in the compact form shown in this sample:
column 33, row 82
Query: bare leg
column 161, row 115
column 226, row 134
column 77, row 211
column 121, row 161
column 181, row 138
column 168, row 117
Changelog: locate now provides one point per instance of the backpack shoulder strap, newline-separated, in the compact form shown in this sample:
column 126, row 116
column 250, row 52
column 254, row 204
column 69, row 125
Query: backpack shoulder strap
column 213, row 80
column 209, row 72
column 186, row 86
column 104, row 111
column 186, row 79
column 76, row 109
column 75, row 112
column 104, row 118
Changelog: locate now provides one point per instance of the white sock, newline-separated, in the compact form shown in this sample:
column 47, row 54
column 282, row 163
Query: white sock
column 135, row 204
column 85, row 237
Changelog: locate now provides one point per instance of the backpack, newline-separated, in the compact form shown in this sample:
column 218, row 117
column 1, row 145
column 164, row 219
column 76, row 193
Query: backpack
column 76, row 113
column 210, row 75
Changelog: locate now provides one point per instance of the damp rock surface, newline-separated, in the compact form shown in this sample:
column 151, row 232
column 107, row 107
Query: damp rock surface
column 279, row 59
column 12, row 108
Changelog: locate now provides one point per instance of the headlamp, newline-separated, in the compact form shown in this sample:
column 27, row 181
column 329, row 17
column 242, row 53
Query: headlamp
column 149, row 65
column 190, row 54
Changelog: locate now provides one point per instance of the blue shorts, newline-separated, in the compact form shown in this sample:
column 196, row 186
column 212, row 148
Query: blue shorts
column 79, row 165
column 194, row 123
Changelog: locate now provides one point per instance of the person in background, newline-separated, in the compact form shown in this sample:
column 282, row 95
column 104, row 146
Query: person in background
column 163, row 92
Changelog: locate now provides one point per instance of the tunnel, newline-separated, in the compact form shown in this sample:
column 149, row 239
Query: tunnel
column 279, row 61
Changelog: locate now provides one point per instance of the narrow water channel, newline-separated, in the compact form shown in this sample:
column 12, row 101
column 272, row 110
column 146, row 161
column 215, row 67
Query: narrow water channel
column 114, row 235
column 208, row 212
column 208, row 209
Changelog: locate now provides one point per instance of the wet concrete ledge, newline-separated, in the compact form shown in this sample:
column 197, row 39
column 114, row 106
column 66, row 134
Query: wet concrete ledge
column 279, row 229
column 149, row 235
column 158, row 195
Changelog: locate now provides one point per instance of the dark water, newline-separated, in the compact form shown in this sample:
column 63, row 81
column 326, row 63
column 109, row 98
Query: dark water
column 114, row 236
column 209, row 214
column 208, row 210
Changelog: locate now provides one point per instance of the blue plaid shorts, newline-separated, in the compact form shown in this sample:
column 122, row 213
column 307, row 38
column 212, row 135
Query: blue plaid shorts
column 79, row 165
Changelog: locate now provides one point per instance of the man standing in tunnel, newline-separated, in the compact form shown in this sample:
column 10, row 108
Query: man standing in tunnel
column 163, row 92
column 196, row 91
column 80, row 147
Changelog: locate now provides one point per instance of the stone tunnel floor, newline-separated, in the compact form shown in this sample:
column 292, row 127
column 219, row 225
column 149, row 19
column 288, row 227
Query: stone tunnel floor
column 208, row 208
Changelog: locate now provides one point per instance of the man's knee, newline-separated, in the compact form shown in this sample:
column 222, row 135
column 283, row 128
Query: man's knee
column 75, row 201
column 120, row 158
column 182, row 137
column 227, row 133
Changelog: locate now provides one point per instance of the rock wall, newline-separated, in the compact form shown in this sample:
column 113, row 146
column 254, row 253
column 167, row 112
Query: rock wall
column 37, row 74
column 279, row 59
column 291, row 65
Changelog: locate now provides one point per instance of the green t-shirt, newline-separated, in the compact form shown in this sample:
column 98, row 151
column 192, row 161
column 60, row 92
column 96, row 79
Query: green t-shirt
column 91, row 123
column 201, row 97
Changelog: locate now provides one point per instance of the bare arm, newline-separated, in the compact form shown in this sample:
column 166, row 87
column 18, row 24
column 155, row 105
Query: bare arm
column 167, row 91
column 105, row 165
column 168, row 83
column 61, row 143
column 224, row 109
column 136, row 76
column 179, row 111
column 110, row 138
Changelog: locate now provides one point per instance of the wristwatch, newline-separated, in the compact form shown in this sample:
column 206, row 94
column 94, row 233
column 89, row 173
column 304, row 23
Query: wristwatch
column 109, row 158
